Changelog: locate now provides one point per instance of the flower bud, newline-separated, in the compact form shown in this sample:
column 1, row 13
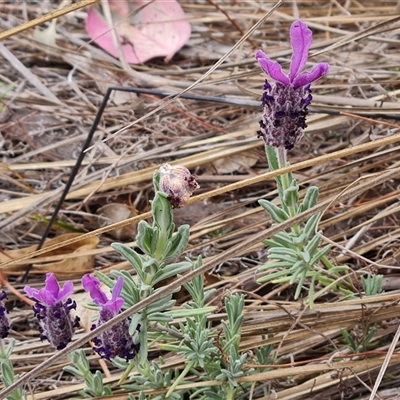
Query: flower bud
column 177, row 183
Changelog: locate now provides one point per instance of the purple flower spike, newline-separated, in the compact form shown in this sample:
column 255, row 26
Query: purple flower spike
column 4, row 320
column 285, row 104
column 115, row 341
column 56, row 323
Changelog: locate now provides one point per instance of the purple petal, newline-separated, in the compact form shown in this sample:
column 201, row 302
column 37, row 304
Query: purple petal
column 116, row 302
column 51, row 290
column 301, row 39
column 114, row 305
column 272, row 68
column 117, row 288
column 307, row 77
column 47, row 295
column 32, row 293
column 92, row 285
column 67, row 289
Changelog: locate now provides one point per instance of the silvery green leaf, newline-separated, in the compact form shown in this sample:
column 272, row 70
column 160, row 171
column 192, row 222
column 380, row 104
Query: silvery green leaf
column 291, row 196
column 193, row 312
column 276, row 264
column 98, row 384
column 372, row 284
column 171, row 270
column 271, row 243
column 156, row 180
column 9, row 349
column 131, row 255
column 313, row 244
column 144, row 237
column 311, row 225
column 300, row 286
column 283, row 239
column 73, row 371
column 159, row 317
column 160, row 305
column 156, row 244
column 162, row 212
column 321, row 253
column 301, row 239
column 277, row 214
column 310, row 199
column 7, row 373
column 272, row 158
column 298, row 268
column 305, row 255
column 178, row 242
column 275, row 276
column 282, row 251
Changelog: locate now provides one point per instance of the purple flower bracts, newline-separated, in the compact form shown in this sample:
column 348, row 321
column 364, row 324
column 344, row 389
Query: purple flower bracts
column 56, row 322
column 4, row 320
column 115, row 341
column 285, row 104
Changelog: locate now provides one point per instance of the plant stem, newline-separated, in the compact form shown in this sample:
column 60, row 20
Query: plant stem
column 179, row 379
column 281, row 154
column 230, row 394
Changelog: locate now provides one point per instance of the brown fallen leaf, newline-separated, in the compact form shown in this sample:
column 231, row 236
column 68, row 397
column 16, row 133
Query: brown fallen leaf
column 65, row 268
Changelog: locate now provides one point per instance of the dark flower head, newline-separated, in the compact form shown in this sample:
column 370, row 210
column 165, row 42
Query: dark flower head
column 177, row 183
column 56, row 322
column 285, row 103
column 4, row 320
column 115, row 341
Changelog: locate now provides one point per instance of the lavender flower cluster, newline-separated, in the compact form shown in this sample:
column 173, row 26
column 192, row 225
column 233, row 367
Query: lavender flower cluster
column 285, row 103
column 53, row 310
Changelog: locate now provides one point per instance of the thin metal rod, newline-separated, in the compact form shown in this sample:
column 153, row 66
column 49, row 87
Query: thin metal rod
column 74, row 172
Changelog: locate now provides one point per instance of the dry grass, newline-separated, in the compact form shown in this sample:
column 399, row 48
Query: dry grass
column 354, row 161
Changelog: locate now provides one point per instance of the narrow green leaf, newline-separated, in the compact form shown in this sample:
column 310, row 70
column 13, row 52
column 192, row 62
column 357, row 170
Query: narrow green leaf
column 144, row 237
column 162, row 211
column 177, row 243
column 277, row 214
column 171, row 270
column 310, row 199
column 291, row 196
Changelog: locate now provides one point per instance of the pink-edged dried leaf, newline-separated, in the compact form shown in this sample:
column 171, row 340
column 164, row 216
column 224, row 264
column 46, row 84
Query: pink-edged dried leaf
column 144, row 29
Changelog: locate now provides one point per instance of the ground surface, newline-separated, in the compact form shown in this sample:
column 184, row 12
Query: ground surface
column 52, row 94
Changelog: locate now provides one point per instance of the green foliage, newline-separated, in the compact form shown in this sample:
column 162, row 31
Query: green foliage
column 209, row 353
column 361, row 341
column 372, row 284
column 8, row 377
column 295, row 256
column 94, row 381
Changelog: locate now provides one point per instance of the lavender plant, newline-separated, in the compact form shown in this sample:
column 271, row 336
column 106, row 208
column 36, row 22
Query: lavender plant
column 205, row 356
column 159, row 244
column 294, row 255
